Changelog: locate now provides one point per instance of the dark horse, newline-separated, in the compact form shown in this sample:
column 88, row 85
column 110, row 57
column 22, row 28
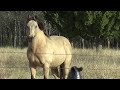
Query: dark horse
column 75, row 73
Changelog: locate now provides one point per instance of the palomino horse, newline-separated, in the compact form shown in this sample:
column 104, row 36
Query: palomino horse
column 75, row 73
column 47, row 52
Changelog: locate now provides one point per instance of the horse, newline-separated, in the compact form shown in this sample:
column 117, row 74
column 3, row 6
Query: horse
column 75, row 73
column 49, row 52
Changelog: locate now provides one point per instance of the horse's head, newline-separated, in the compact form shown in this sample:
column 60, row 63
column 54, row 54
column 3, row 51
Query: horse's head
column 32, row 26
column 75, row 73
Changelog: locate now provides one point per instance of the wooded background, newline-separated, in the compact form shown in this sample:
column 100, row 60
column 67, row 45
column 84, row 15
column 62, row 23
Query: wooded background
column 84, row 29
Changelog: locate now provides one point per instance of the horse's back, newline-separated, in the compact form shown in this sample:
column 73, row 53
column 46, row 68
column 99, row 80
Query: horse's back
column 60, row 39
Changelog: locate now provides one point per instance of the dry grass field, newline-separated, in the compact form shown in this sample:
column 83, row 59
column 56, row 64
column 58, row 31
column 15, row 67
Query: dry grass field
column 102, row 65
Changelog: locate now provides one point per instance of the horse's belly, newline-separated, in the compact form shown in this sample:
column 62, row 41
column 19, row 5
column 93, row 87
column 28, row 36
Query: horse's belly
column 59, row 56
column 57, row 60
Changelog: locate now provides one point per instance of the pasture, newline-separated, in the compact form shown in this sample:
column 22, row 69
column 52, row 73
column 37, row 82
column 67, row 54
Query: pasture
column 102, row 65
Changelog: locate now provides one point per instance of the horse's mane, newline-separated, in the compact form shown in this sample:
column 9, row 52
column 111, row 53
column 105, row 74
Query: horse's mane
column 40, row 24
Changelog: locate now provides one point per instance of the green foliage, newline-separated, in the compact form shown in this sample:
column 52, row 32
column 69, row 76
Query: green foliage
column 86, row 24
column 90, row 23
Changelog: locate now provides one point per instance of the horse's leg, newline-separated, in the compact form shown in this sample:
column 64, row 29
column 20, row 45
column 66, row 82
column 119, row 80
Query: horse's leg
column 33, row 71
column 67, row 64
column 46, row 71
column 55, row 73
column 66, row 70
column 62, row 71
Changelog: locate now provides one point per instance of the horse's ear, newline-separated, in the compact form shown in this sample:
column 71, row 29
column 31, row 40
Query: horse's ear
column 35, row 17
column 29, row 17
column 80, row 69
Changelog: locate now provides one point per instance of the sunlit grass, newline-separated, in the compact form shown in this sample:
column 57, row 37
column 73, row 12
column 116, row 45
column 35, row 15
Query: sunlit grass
column 98, row 65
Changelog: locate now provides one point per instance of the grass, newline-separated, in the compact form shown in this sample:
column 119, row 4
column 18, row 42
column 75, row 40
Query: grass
column 102, row 65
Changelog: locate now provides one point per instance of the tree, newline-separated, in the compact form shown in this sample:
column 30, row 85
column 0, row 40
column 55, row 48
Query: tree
column 96, row 25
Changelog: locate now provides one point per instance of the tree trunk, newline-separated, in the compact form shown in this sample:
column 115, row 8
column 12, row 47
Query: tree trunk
column 93, row 43
column 108, row 43
column 83, row 43
column 19, row 33
column 117, row 46
column 15, row 36
column 98, row 44
column 0, row 38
